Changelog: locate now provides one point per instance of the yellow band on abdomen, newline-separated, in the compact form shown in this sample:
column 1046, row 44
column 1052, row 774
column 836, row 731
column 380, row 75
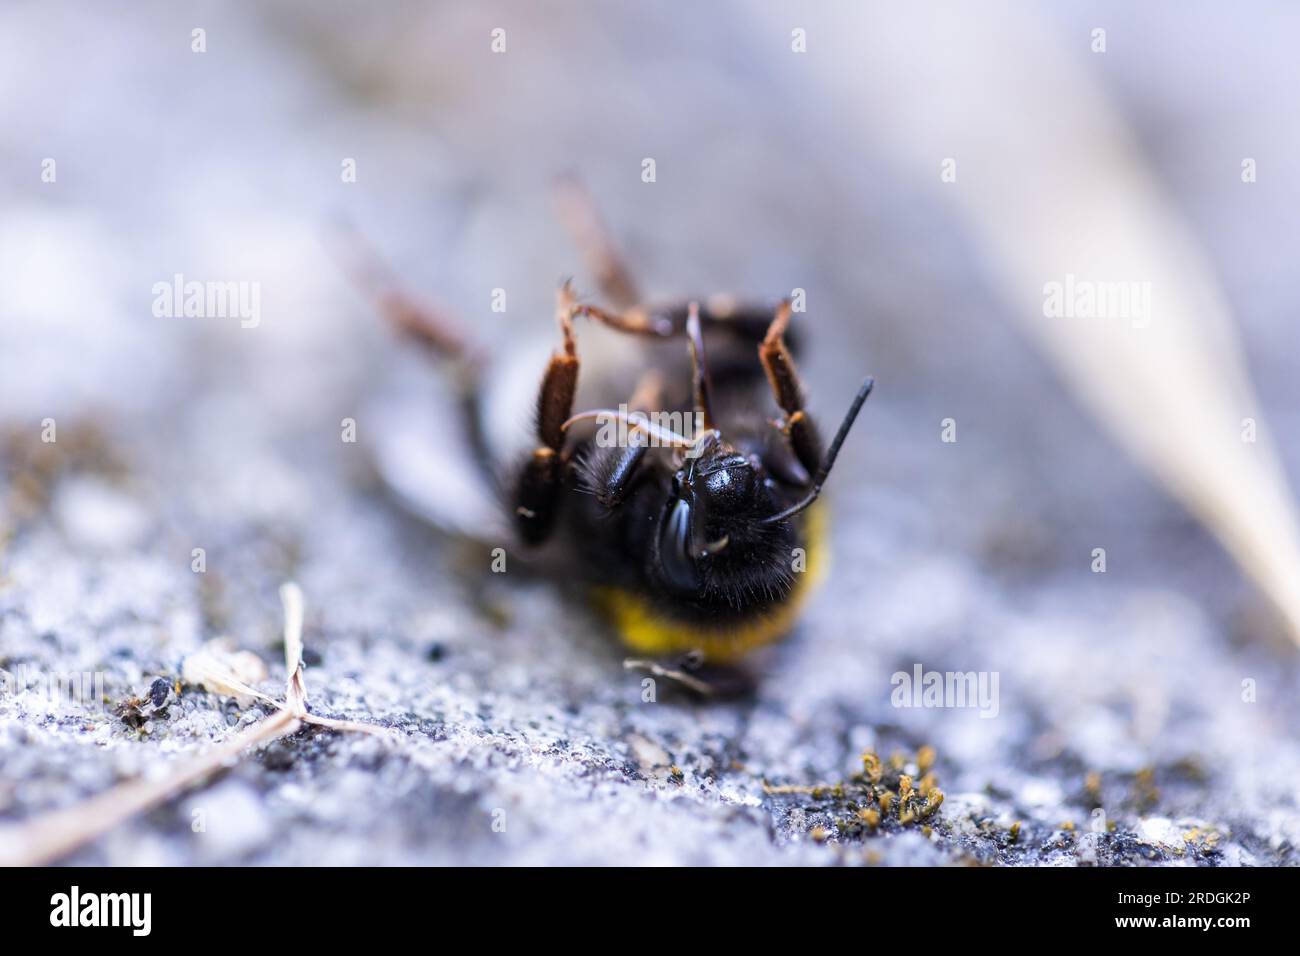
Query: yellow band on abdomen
column 648, row 631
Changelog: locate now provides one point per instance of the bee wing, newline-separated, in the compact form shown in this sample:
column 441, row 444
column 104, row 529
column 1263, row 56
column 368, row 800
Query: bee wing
column 425, row 456
column 423, row 449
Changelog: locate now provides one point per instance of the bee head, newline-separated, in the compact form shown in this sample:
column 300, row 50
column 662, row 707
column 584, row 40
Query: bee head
column 714, row 539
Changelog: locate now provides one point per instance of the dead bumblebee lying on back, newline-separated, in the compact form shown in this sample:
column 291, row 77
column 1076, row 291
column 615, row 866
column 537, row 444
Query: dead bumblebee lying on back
column 695, row 541
column 698, row 541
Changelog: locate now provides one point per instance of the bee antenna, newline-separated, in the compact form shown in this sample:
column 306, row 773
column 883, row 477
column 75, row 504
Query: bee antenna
column 702, row 386
column 829, row 459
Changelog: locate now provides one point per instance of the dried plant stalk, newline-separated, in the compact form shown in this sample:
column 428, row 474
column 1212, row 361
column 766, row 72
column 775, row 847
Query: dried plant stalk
column 1052, row 184
column 54, row 835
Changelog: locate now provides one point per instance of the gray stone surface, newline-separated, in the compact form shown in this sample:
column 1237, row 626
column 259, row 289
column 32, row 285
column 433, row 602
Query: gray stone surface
column 510, row 705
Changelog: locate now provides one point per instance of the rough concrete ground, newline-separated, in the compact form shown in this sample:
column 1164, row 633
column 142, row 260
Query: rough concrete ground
column 520, row 738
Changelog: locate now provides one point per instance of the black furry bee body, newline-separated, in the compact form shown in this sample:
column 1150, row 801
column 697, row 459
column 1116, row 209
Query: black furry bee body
column 699, row 543
column 690, row 511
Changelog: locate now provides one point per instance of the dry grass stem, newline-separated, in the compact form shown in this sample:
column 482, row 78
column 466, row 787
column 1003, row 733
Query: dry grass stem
column 54, row 835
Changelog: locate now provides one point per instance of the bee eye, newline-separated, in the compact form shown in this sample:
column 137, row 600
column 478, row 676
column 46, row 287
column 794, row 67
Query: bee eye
column 729, row 490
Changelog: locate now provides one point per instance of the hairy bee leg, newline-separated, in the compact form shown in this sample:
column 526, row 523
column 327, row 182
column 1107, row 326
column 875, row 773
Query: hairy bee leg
column 725, row 312
column 675, row 674
column 430, row 327
column 578, row 213
column 798, row 427
column 621, row 473
column 705, row 681
column 745, row 322
column 634, row 321
column 616, row 475
column 541, row 481
column 434, row 330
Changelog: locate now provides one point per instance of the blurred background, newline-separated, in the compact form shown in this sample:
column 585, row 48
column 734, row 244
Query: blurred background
column 775, row 168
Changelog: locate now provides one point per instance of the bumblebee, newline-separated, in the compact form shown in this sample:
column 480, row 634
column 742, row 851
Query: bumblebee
column 697, row 541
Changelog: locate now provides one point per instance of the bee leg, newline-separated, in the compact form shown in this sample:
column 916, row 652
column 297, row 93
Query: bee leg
column 798, row 427
column 747, row 322
column 609, row 473
column 537, row 492
column 744, row 324
column 704, row 681
column 577, row 211
column 671, row 670
column 418, row 321
column 634, row 321
column 441, row 337
column 722, row 317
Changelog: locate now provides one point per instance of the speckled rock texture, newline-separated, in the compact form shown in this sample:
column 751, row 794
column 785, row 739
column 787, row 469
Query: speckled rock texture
column 1142, row 715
